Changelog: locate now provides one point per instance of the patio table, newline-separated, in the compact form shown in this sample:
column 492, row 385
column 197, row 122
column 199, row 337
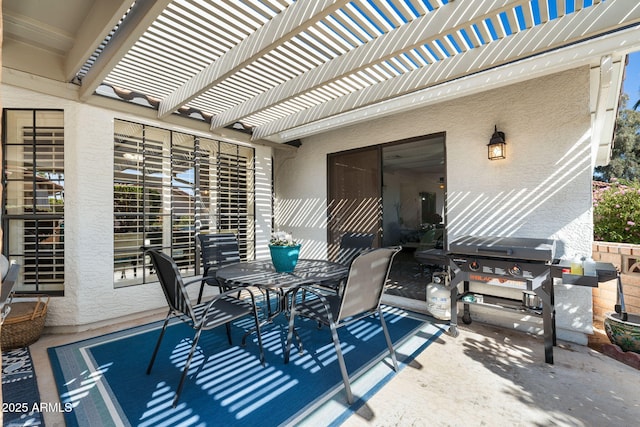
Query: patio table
column 263, row 275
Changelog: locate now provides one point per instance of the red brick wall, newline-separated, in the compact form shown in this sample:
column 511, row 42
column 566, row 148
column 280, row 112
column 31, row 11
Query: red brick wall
column 626, row 258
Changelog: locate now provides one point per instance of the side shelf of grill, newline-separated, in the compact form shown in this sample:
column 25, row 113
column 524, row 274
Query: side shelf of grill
column 575, row 279
column 604, row 272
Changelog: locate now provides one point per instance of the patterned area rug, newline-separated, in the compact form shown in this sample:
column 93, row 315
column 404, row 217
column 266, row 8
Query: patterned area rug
column 21, row 400
column 104, row 377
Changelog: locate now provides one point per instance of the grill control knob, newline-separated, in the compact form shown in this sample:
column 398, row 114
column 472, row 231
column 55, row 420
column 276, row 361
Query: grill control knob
column 474, row 266
column 515, row 270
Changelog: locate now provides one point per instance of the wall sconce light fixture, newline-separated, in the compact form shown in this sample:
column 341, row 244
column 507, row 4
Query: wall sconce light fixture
column 441, row 183
column 497, row 146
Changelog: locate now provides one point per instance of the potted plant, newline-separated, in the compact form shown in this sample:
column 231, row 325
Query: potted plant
column 284, row 251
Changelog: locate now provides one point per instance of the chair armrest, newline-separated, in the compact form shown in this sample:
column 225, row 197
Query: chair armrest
column 228, row 293
column 191, row 282
column 314, row 291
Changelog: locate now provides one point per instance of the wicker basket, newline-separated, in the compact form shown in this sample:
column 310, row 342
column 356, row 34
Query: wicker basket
column 23, row 326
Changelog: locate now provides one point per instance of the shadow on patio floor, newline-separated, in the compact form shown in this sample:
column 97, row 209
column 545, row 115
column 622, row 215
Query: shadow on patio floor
column 486, row 376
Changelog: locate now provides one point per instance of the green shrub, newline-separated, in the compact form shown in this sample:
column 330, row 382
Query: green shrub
column 616, row 211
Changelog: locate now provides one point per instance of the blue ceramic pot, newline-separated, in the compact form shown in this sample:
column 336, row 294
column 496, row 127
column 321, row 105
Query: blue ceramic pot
column 284, row 258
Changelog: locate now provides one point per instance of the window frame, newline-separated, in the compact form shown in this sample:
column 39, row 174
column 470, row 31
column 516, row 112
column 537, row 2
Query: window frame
column 185, row 172
column 41, row 256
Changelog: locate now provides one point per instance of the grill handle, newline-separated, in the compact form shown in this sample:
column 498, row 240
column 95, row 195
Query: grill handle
column 506, row 251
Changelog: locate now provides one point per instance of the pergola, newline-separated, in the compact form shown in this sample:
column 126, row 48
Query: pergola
column 276, row 71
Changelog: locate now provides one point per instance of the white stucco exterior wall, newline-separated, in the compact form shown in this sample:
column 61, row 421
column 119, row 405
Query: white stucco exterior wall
column 90, row 297
column 542, row 189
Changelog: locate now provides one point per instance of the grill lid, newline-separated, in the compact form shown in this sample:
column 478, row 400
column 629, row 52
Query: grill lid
column 505, row 247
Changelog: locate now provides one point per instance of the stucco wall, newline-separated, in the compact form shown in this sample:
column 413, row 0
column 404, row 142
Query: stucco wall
column 90, row 297
column 542, row 189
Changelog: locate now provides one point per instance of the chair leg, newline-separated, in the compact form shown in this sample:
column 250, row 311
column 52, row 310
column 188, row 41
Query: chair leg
column 268, row 301
column 389, row 343
column 155, row 352
column 201, row 291
column 196, row 338
column 258, row 332
column 228, row 326
column 343, row 367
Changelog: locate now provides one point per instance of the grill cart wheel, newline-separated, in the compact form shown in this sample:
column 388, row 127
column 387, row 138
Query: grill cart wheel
column 466, row 317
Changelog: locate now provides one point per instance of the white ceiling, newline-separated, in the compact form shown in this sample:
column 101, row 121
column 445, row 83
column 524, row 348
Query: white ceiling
column 282, row 70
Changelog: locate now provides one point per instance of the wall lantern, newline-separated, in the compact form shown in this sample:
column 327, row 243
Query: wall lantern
column 497, row 146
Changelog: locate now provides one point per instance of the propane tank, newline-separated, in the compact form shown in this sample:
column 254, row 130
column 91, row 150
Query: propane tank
column 439, row 297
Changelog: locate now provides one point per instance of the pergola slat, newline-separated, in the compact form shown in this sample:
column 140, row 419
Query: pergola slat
column 280, row 28
column 571, row 28
column 140, row 17
column 413, row 34
column 280, row 64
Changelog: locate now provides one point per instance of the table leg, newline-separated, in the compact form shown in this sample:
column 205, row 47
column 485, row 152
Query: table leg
column 281, row 307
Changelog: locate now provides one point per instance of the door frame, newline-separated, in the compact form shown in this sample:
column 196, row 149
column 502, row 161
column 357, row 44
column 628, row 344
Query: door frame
column 379, row 148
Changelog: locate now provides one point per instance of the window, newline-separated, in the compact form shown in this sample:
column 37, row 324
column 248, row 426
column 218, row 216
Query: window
column 33, row 197
column 169, row 186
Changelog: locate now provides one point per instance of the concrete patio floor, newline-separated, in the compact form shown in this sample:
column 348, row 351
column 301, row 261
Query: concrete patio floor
column 487, row 376
column 490, row 376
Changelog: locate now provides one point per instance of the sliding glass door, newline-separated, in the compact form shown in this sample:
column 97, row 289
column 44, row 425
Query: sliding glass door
column 354, row 195
column 397, row 191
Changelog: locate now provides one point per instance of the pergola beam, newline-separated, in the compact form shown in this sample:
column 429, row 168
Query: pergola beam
column 581, row 54
column 281, row 28
column 605, row 93
column 444, row 20
column 574, row 28
column 104, row 15
column 138, row 20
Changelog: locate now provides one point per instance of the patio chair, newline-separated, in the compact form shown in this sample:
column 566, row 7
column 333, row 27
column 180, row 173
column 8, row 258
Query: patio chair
column 221, row 310
column 216, row 250
column 352, row 244
column 360, row 298
column 6, row 292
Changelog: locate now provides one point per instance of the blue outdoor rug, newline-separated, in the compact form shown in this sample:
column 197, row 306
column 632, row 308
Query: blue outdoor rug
column 104, row 378
column 21, row 399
